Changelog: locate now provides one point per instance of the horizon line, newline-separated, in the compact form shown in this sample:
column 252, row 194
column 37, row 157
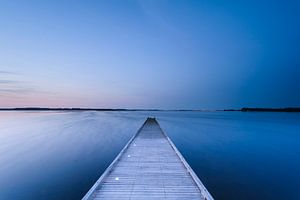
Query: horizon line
column 243, row 109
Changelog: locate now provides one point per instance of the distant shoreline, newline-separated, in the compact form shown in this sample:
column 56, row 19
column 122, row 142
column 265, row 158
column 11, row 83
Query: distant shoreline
column 70, row 109
column 85, row 109
column 245, row 109
column 290, row 109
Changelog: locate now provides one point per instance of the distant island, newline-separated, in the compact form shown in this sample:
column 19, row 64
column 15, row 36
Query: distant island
column 290, row 109
column 245, row 109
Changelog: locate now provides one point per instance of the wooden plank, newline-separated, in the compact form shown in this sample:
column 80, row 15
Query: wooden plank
column 149, row 167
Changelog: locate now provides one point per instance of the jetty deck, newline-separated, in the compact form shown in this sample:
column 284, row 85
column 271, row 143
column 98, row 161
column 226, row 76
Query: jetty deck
column 149, row 167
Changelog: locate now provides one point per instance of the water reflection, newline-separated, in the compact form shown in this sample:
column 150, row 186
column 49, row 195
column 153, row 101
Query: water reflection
column 59, row 155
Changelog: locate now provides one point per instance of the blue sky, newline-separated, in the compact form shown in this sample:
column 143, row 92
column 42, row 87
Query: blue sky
column 150, row 54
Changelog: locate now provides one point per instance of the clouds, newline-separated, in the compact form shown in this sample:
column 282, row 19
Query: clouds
column 13, row 85
column 8, row 81
column 22, row 90
column 6, row 72
column 10, row 86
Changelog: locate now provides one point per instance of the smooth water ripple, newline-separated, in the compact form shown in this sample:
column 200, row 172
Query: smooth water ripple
column 59, row 155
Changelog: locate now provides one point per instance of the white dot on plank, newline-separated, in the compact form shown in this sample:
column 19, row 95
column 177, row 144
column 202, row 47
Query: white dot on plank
column 128, row 156
column 117, row 178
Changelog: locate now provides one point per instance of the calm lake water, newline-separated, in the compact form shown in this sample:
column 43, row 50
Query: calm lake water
column 238, row 156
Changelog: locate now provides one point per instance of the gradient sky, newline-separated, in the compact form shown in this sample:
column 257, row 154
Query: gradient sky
column 150, row 54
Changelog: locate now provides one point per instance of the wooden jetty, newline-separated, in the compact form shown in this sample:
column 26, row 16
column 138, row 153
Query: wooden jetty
column 149, row 167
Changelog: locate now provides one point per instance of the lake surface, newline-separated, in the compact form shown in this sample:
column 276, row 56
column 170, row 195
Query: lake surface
column 238, row 156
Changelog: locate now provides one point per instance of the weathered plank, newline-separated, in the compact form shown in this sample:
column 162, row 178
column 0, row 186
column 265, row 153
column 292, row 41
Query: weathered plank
column 149, row 167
